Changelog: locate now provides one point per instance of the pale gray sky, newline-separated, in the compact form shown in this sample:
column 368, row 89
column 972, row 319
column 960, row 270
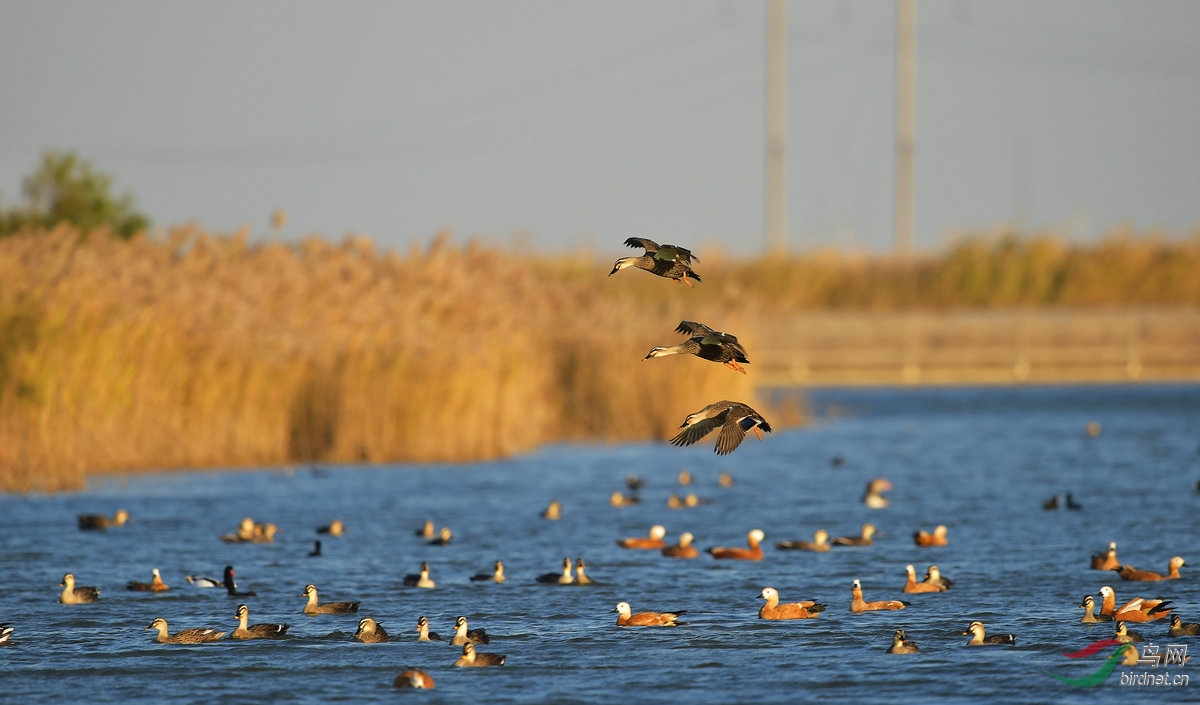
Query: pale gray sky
column 583, row 123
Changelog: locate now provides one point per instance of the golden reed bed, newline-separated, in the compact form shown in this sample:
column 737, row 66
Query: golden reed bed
column 195, row 350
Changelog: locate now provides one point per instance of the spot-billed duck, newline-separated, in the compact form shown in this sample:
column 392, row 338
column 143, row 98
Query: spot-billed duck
column 683, row 549
column 6, row 631
column 627, row 618
column 156, row 583
column 99, row 522
column 925, row 539
column 911, row 585
column 311, row 607
column 1108, row 559
column 732, row 417
column 725, row 479
column 805, row 609
column 77, row 595
column 617, row 499
column 423, row 633
column 753, row 553
column 196, row 635
column 265, row 533
column 705, row 343
column 820, row 543
column 421, row 579
column 902, row 645
column 463, row 635
column 563, row 578
column 1138, row 609
column 370, row 632
column 1123, row 635
column 427, row 530
column 1089, row 608
column 872, row 497
column 634, row 483
column 670, row 261
column 1051, row 503
column 255, row 631
column 496, row 576
column 857, row 604
column 1130, row 656
column 934, row 576
column 333, row 528
column 1182, row 628
column 866, row 538
column 316, row 552
column 1072, row 504
column 444, row 537
column 581, row 578
column 553, row 511
column 653, row 541
column 1128, row 572
column 978, row 637
column 688, row 501
column 471, row 657
column 413, row 678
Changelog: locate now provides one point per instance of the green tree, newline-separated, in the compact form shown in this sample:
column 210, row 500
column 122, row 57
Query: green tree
column 66, row 187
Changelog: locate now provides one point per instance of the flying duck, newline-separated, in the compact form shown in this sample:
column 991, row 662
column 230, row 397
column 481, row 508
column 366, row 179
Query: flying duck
column 705, row 343
column 670, row 261
column 733, row 418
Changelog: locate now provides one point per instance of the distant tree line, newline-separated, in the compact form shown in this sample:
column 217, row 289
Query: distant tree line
column 65, row 187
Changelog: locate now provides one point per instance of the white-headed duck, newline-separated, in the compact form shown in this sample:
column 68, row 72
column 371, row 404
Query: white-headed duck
column 496, row 576
column 857, row 604
column 255, row 631
column 1089, row 611
column 553, row 511
column 912, row 586
column 463, row 635
column 926, row 539
column 77, row 595
column 421, row 579
column 903, row 645
column 370, row 632
column 805, row 609
column 311, row 607
column 1106, row 560
column 653, row 541
column 1128, row 572
column 99, row 522
column 471, row 657
column 866, row 538
column 820, row 543
column 333, row 528
column 627, row 618
column 563, row 578
column 156, row 583
column 683, row 549
column 196, row 635
column 423, row 633
column 979, row 636
column 1123, row 635
column 413, row 678
column 1138, row 609
column 873, row 497
column 753, row 553
column 1182, row 628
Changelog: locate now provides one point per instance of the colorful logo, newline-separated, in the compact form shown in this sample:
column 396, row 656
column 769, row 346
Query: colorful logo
column 1175, row 654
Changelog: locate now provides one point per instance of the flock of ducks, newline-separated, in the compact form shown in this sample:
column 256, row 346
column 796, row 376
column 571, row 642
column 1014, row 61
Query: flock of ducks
column 733, row 420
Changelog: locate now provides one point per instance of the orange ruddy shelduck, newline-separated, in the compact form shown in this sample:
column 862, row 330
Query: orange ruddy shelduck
column 872, row 497
column 1128, row 572
column 865, row 539
column 1138, row 609
column 911, row 584
column 683, row 549
column 805, row 609
column 413, row 678
column 820, row 543
column 626, row 617
column 926, row 539
column 1108, row 559
column 753, row 553
column 653, row 541
column 857, row 604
